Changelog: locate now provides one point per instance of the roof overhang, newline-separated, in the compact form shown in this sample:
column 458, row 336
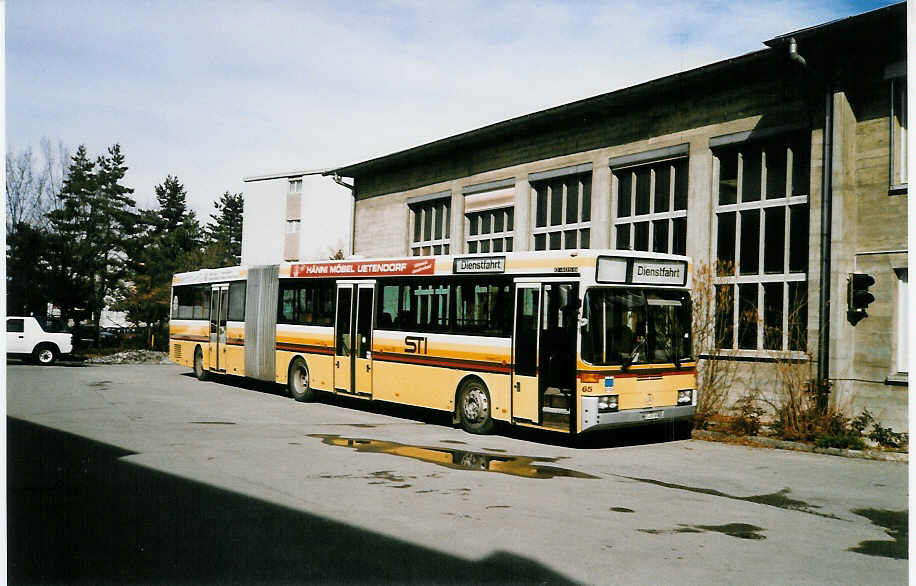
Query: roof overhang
column 287, row 174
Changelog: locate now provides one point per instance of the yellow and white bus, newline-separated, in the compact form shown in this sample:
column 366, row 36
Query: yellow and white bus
column 563, row 341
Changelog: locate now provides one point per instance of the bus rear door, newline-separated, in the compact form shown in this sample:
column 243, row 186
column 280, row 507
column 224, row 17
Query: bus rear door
column 353, row 338
column 219, row 308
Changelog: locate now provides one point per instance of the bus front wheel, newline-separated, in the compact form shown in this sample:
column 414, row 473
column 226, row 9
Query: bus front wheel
column 474, row 407
column 298, row 381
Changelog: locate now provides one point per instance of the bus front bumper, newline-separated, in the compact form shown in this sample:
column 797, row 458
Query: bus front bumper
column 593, row 420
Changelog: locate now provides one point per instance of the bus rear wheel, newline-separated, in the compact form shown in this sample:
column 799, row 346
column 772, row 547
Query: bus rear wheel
column 474, row 407
column 298, row 381
column 199, row 371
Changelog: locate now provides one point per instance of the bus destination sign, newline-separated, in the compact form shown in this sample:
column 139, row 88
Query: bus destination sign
column 375, row 268
column 659, row 272
column 480, row 265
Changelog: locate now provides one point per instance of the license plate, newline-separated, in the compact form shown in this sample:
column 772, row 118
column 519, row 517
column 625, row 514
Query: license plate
column 653, row 415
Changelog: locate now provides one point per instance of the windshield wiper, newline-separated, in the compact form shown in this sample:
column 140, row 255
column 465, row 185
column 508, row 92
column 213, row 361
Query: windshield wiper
column 634, row 354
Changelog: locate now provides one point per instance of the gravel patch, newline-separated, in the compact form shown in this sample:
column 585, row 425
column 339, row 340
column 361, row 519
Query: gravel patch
column 132, row 357
column 766, row 442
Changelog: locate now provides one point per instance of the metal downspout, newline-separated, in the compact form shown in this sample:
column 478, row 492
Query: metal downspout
column 823, row 326
column 823, row 334
column 352, row 189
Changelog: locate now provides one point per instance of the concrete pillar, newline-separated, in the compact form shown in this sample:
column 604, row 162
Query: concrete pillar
column 601, row 204
column 700, row 206
column 523, row 219
column 456, row 223
column 843, row 244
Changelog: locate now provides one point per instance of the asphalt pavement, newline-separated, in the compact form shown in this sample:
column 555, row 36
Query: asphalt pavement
column 142, row 474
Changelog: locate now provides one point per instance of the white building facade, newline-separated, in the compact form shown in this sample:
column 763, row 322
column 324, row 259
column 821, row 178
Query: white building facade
column 295, row 216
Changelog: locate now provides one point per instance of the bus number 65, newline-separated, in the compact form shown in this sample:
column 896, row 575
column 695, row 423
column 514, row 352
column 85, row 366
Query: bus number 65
column 416, row 345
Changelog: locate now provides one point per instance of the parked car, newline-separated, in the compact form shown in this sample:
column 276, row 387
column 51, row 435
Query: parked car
column 25, row 337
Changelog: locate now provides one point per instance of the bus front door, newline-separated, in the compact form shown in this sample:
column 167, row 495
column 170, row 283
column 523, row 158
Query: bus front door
column 353, row 338
column 362, row 357
column 219, row 307
column 343, row 338
column 525, row 386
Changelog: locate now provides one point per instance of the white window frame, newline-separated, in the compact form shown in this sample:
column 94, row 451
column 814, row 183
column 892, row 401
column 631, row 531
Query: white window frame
column 293, row 226
column 430, row 211
column 761, row 277
column 652, row 216
column 584, row 177
column 295, row 185
column 504, row 237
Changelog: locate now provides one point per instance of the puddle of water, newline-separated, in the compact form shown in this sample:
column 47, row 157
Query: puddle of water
column 388, row 475
column 456, row 459
column 213, row 422
column 776, row 499
column 100, row 384
column 739, row 530
column 454, row 442
column 895, row 525
column 622, row 510
column 667, row 531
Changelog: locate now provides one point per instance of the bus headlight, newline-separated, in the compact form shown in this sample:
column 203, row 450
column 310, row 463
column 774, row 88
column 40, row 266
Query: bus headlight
column 607, row 403
column 685, row 397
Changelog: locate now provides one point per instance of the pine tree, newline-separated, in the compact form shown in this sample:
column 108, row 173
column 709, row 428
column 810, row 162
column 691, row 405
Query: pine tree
column 93, row 227
column 225, row 227
column 168, row 241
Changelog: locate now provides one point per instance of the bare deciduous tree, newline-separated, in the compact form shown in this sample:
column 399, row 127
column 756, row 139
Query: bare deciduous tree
column 32, row 183
column 716, row 371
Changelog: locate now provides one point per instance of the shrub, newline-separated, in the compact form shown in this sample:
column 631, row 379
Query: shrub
column 844, row 441
column 747, row 418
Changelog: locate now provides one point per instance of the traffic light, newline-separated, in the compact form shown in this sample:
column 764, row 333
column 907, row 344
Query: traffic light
column 857, row 296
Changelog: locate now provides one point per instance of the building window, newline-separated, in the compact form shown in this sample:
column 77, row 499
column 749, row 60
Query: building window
column 898, row 138
column 292, row 226
column 563, row 208
column 430, row 232
column 761, row 241
column 491, row 230
column 903, row 319
column 652, row 207
column 295, row 185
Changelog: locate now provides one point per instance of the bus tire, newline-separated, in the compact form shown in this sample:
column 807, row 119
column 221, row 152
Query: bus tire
column 474, row 407
column 298, row 381
column 199, row 371
column 45, row 354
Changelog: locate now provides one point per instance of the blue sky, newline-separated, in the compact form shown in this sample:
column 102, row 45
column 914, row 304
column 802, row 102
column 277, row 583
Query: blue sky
column 215, row 91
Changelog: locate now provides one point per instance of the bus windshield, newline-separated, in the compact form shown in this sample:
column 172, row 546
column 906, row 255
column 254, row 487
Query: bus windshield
column 636, row 326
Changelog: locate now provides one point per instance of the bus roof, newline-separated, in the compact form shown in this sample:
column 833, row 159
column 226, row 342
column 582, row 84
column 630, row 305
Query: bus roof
column 545, row 263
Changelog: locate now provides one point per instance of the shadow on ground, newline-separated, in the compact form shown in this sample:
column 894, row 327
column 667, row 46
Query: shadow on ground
column 631, row 436
column 79, row 514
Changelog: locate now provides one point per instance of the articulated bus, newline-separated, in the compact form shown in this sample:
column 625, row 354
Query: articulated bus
column 563, row 341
